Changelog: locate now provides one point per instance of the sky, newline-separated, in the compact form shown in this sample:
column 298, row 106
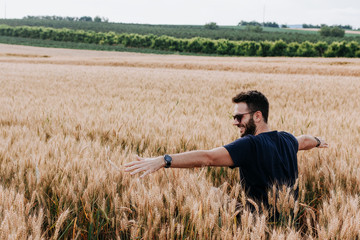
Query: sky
column 196, row 12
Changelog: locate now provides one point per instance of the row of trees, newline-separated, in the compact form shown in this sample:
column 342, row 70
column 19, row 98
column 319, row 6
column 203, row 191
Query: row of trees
column 71, row 19
column 248, row 33
column 211, row 25
column 242, row 23
column 346, row 27
column 254, row 23
column 275, row 25
column 194, row 45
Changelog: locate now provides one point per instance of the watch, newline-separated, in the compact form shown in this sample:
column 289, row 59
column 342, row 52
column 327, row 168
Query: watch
column 167, row 160
column 318, row 142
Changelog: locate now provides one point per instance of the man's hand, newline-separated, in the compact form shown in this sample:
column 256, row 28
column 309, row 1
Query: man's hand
column 323, row 144
column 146, row 165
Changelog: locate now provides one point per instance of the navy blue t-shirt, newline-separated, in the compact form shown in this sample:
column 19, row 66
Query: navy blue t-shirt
column 263, row 160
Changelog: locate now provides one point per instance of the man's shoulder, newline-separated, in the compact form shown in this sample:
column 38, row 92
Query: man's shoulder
column 286, row 134
column 289, row 138
column 277, row 137
column 243, row 142
column 253, row 139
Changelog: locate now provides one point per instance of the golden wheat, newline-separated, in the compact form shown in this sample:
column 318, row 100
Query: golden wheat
column 70, row 119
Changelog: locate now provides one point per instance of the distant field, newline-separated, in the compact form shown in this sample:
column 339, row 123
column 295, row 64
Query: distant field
column 70, row 119
column 348, row 32
column 186, row 31
column 80, row 39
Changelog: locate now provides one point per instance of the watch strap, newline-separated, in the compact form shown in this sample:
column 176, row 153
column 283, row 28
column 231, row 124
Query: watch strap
column 318, row 142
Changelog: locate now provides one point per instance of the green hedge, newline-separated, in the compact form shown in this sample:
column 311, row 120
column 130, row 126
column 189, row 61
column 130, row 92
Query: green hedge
column 194, row 45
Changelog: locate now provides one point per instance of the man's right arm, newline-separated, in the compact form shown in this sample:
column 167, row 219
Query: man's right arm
column 307, row 142
column 218, row 157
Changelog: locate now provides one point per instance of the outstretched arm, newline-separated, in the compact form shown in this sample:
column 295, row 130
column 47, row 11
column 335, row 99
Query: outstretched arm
column 200, row 158
column 307, row 142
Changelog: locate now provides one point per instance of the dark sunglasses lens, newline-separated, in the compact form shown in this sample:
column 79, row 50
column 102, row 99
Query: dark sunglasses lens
column 238, row 117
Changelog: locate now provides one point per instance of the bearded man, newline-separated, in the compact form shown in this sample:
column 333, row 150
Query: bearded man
column 264, row 157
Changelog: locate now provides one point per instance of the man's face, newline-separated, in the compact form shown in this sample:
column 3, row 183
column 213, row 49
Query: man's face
column 247, row 125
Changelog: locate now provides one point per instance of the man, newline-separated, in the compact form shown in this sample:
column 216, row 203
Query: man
column 264, row 157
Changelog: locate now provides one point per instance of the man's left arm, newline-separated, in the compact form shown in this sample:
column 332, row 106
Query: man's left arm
column 307, row 142
column 219, row 157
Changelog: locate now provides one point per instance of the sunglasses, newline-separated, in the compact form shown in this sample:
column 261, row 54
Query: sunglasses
column 239, row 117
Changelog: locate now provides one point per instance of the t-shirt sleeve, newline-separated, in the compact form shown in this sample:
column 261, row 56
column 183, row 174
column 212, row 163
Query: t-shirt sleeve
column 293, row 140
column 240, row 151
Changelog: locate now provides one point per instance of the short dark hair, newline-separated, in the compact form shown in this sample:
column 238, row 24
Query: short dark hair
column 255, row 100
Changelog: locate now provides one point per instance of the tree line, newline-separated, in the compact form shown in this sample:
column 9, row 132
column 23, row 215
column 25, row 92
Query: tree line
column 255, row 23
column 193, row 45
column 241, row 23
column 345, row 27
column 276, row 25
column 235, row 33
column 70, row 19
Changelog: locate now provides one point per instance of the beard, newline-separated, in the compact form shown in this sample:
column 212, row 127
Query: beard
column 250, row 128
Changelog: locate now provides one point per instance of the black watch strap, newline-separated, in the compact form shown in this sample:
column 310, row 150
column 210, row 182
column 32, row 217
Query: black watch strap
column 167, row 160
column 318, row 142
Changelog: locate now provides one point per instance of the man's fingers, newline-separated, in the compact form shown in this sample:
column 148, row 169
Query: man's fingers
column 132, row 167
column 323, row 143
column 145, row 173
column 136, row 165
column 131, row 164
column 134, row 162
column 137, row 171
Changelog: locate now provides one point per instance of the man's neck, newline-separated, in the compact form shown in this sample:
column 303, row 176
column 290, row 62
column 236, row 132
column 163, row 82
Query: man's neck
column 262, row 128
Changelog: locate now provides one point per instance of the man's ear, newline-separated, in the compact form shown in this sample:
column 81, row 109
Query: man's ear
column 258, row 116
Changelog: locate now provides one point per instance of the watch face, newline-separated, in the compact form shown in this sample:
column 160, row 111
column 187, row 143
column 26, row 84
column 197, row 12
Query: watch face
column 167, row 159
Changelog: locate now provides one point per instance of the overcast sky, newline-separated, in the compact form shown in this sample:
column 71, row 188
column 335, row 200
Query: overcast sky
column 224, row 12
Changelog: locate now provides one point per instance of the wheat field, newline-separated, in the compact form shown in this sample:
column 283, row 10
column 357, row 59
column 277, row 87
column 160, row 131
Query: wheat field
column 70, row 119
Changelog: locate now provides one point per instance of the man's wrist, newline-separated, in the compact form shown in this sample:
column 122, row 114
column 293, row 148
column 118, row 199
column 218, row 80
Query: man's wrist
column 318, row 141
column 161, row 161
